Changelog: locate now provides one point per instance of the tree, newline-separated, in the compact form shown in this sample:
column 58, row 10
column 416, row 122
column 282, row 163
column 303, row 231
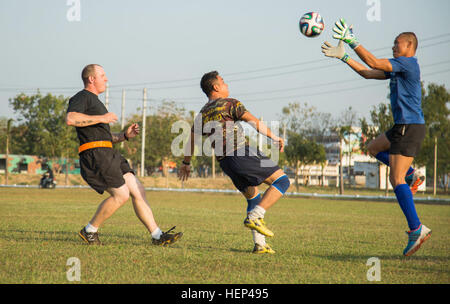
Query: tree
column 42, row 129
column 381, row 120
column 158, row 137
column 347, row 120
column 3, row 134
column 435, row 104
column 304, row 119
column 301, row 152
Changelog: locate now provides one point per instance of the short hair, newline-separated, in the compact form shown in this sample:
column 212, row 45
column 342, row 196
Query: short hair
column 88, row 71
column 208, row 81
column 411, row 36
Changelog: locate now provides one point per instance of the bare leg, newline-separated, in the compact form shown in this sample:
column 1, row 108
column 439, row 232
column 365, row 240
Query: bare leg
column 399, row 166
column 379, row 144
column 250, row 192
column 271, row 195
column 119, row 196
column 140, row 203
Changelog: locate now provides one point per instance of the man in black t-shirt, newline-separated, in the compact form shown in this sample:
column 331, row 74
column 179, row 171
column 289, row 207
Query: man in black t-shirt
column 103, row 168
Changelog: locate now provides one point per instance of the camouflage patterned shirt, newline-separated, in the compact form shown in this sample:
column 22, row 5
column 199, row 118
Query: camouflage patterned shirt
column 218, row 119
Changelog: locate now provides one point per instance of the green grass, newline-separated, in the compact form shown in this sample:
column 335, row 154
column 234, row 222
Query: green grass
column 316, row 240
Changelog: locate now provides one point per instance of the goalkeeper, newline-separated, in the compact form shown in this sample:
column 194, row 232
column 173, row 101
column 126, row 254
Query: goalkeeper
column 399, row 145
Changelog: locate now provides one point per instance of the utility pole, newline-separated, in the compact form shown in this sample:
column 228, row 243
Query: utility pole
column 122, row 118
column 435, row 166
column 213, row 158
column 260, row 137
column 341, row 167
column 144, row 107
column 386, row 191
column 8, row 128
column 66, row 175
column 107, row 97
column 433, row 130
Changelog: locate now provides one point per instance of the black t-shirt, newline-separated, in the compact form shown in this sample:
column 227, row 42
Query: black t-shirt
column 86, row 102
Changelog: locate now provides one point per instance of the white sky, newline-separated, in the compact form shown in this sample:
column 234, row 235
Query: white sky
column 145, row 42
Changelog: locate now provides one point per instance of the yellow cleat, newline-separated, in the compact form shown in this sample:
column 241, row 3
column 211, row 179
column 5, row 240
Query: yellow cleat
column 258, row 249
column 258, row 225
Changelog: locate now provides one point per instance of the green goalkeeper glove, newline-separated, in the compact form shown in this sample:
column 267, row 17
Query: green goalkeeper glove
column 345, row 33
column 335, row 51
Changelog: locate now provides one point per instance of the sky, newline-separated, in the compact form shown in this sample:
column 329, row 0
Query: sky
column 256, row 45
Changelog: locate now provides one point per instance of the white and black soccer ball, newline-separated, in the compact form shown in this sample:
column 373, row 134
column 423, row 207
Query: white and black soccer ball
column 311, row 24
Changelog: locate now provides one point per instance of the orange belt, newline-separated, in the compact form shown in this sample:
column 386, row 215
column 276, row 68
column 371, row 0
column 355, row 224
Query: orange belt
column 94, row 144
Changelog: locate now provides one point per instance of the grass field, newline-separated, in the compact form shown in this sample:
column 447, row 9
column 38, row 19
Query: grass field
column 220, row 182
column 316, row 241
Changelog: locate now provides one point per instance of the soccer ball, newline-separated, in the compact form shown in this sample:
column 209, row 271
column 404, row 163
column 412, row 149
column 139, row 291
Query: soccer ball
column 311, row 24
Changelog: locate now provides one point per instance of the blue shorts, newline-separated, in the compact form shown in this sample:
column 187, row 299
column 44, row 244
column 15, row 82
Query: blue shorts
column 406, row 139
column 248, row 170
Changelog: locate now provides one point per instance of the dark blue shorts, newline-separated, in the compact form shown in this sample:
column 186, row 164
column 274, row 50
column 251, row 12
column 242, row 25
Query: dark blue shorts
column 406, row 139
column 248, row 170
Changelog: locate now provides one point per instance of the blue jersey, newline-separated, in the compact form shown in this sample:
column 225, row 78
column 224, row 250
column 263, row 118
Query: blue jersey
column 406, row 91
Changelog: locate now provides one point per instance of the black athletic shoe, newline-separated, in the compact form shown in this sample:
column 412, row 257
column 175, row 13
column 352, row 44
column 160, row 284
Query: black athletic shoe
column 167, row 237
column 89, row 237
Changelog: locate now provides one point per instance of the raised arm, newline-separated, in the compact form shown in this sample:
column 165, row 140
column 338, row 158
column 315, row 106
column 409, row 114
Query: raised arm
column 262, row 128
column 345, row 33
column 339, row 53
column 375, row 63
column 365, row 72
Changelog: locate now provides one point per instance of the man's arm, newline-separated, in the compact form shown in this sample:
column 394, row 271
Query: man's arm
column 189, row 149
column 364, row 72
column 345, row 33
column 131, row 132
column 383, row 65
column 76, row 119
column 339, row 53
column 118, row 137
column 262, row 128
column 185, row 168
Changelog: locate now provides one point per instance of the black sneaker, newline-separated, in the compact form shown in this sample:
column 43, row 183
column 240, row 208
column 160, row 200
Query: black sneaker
column 89, row 237
column 167, row 237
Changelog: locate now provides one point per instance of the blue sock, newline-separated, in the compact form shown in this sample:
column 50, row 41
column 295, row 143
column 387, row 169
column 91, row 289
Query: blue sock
column 405, row 199
column 410, row 171
column 251, row 203
column 384, row 158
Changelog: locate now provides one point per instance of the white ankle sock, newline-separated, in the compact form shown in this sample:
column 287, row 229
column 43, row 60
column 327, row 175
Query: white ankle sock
column 258, row 238
column 257, row 212
column 90, row 229
column 156, row 234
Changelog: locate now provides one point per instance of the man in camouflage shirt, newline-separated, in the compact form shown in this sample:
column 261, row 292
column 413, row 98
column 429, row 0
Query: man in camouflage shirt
column 246, row 166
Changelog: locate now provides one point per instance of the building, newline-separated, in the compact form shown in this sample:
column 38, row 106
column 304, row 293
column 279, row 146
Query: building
column 31, row 164
column 359, row 168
